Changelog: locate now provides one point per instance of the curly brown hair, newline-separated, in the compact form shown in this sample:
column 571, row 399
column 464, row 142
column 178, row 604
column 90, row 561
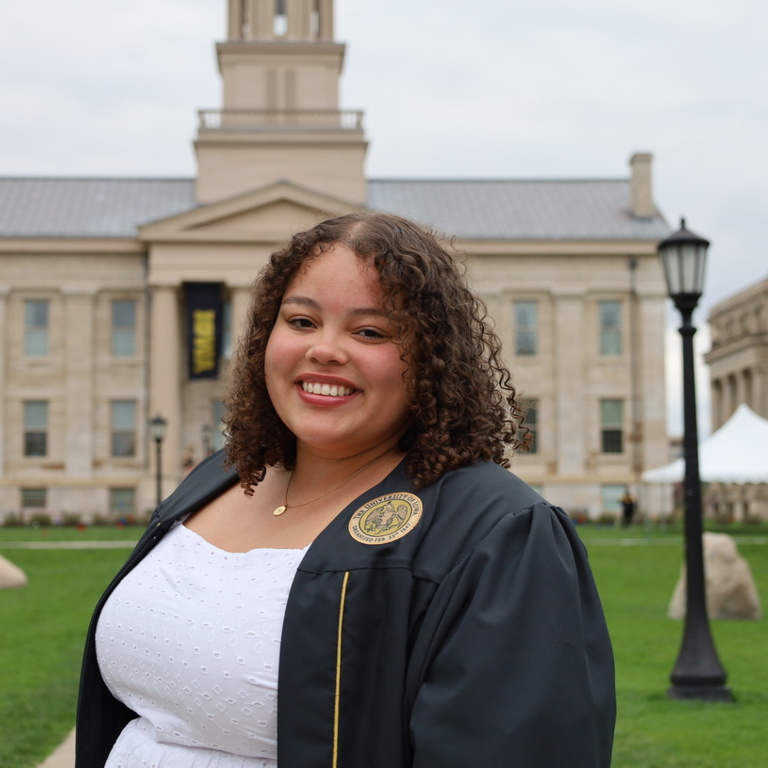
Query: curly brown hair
column 464, row 406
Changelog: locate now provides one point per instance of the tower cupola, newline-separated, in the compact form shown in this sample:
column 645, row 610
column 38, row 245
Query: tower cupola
column 280, row 117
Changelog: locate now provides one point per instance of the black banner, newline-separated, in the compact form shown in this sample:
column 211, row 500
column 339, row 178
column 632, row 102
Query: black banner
column 204, row 329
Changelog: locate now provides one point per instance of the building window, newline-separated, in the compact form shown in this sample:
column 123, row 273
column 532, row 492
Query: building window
column 36, row 428
column 34, row 498
column 611, row 426
column 611, row 499
column 122, row 501
column 280, row 26
column 124, row 328
column 531, row 410
column 36, row 328
column 526, row 330
column 610, row 328
column 123, row 428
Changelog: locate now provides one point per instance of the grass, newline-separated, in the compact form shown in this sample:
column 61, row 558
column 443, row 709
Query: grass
column 44, row 624
column 42, row 628
column 636, row 584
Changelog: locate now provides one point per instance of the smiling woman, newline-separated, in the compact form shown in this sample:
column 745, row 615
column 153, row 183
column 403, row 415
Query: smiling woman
column 362, row 535
column 334, row 368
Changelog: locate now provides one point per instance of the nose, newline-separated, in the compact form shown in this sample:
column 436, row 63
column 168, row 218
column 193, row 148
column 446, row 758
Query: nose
column 328, row 348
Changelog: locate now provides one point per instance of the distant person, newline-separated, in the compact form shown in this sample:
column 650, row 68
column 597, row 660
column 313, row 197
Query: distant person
column 627, row 508
column 361, row 535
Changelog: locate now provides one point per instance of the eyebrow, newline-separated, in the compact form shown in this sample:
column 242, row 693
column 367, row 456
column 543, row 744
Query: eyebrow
column 312, row 304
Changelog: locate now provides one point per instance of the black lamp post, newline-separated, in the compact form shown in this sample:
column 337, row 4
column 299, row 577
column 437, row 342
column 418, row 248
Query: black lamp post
column 206, row 433
column 697, row 673
column 158, row 425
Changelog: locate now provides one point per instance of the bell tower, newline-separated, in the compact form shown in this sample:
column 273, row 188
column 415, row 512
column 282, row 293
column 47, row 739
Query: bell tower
column 280, row 116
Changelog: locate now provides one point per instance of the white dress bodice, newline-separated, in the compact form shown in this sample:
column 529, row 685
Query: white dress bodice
column 190, row 641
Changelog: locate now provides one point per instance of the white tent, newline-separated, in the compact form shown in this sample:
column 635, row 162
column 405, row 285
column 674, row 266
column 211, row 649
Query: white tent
column 735, row 453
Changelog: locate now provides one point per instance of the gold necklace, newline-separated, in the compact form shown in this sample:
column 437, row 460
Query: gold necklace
column 284, row 506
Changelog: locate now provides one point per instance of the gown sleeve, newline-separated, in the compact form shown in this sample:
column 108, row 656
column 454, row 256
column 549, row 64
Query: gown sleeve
column 517, row 663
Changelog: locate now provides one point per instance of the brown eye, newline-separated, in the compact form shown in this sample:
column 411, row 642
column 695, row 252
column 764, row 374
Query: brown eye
column 301, row 323
column 371, row 334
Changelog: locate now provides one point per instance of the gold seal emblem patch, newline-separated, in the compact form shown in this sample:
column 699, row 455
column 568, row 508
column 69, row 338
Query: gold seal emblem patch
column 385, row 518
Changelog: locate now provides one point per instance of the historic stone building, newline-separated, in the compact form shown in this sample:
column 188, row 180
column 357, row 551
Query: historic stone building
column 122, row 298
column 738, row 369
column 738, row 357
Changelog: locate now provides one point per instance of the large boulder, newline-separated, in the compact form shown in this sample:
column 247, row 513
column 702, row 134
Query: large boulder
column 11, row 575
column 731, row 590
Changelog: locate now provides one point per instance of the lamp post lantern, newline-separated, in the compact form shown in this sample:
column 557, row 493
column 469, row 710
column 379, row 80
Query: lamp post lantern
column 158, row 426
column 698, row 673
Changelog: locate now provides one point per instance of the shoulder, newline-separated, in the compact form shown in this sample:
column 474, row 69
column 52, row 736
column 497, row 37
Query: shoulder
column 482, row 490
column 480, row 504
column 206, row 481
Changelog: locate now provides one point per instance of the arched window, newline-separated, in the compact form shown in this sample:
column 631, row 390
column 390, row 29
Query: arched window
column 280, row 21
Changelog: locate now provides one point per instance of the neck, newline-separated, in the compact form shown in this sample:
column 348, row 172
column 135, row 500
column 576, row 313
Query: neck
column 311, row 462
column 313, row 472
column 366, row 470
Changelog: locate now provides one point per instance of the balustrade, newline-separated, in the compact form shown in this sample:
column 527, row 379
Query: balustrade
column 269, row 119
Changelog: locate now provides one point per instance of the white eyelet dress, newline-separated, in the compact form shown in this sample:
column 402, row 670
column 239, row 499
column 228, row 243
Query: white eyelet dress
column 190, row 641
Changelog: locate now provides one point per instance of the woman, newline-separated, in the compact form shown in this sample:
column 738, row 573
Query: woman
column 363, row 534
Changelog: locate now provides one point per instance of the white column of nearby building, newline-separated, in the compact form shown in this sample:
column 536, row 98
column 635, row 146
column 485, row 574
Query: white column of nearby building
column 716, row 402
column 740, row 395
column 79, row 363
column 759, row 404
column 241, row 302
column 571, row 421
column 650, row 369
column 165, row 380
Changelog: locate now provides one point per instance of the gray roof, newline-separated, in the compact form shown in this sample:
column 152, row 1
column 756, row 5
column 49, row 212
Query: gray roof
column 37, row 207
column 472, row 209
column 518, row 209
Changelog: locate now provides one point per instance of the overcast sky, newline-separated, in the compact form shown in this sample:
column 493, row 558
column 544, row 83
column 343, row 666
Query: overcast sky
column 450, row 88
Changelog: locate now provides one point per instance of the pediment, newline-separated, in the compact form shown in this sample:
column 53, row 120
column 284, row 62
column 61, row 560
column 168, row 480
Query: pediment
column 270, row 214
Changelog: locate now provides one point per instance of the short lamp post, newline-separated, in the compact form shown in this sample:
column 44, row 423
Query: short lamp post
column 206, row 433
column 697, row 673
column 158, row 426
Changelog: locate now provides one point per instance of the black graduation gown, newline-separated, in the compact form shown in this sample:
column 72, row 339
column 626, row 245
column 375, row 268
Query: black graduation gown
column 477, row 638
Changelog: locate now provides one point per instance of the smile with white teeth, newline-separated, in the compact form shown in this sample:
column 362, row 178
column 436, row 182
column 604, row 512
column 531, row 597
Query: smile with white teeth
column 332, row 390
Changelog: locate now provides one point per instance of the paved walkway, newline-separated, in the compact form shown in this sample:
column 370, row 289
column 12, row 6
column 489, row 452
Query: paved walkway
column 68, row 544
column 63, row 756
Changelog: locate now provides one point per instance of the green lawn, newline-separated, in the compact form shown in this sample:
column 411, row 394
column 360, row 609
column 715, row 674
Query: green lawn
column 41, row 637
column 42, row 628
column 636, row 583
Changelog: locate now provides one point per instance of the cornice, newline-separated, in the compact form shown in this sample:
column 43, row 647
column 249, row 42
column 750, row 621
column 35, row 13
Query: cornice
column 72, row 245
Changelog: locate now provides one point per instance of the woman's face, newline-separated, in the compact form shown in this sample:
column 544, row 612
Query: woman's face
column 333, row 367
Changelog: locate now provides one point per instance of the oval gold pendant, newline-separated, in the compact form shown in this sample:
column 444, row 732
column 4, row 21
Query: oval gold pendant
column 279, row 510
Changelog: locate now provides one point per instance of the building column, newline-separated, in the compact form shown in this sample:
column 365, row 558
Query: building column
column 79, row 352
column 758, row 383
column 234, row 20
column 731, row 400
column 262, row 20
column 165, row 383
column 572, row 422
column 326, row 20
column 741, row 393
column 716, row 404
column 241, row 304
